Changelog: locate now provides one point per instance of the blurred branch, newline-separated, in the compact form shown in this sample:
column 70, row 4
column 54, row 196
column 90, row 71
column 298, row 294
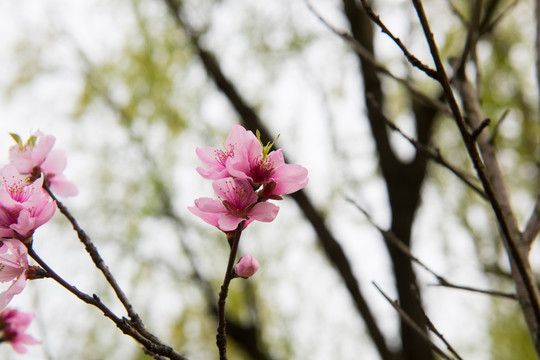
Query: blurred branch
column 432, row 327
column 392, row 239
column 489, row 172
column 367, row 56
column 413, row 60
column 412, row 324
column 251, row 120
column 430, row 153
column 151, row 344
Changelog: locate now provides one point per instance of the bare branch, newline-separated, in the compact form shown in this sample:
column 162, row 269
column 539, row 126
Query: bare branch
column 413, row 60
column 412, row 324
column 367, row 56
column 391, row 238
column 493, row 183
column 432, row 327
column 430, row 153
column 533, row 225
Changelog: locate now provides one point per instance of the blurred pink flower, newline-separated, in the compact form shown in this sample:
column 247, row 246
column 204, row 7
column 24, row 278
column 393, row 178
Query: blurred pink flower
column 239, row 140
column 13, row 325
column 246, row 267
column 36, row 157
column 24, row 205
column 237, row 202
column 13, row 267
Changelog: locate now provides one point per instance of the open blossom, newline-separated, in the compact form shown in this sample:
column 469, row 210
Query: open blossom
column 239, row 139
column 13, row 267
column 268, row 170
column 13, row 325
column 244, row 157
column 24, row 205
column 246, row 267
column 37, row 156
column 237, row 202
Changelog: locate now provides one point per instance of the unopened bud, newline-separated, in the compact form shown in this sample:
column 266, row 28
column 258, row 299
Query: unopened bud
column 247, row 266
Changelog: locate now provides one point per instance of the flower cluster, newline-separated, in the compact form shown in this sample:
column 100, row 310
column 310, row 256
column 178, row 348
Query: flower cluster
column 246, row 175
column 13, row 325
column 25, row 205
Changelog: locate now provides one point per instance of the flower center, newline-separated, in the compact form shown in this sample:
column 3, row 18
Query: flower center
column 221, row 156
column 261, row 169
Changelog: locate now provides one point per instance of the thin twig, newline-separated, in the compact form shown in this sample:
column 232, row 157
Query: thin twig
column 413, row 60
column 431, row 326
column 412, row 324
column 221, row 337
column 134, row 318
column 391, row 238
column 433, row 154
column 528, row 293
column 367, row 56
column 123, row 324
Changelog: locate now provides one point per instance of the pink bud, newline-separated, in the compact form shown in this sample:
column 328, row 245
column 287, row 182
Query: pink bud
column 247, row 266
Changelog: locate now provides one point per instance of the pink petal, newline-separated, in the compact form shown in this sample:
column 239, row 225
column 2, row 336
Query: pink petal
column 246, row 267
column 264, row 211
column 55, row 162
column 210, row 218
column 210, row 205
column 15, row 288
column 228, row 222
column 289, row 178
column 25, row 223
column 62, row 186
column 207, row 155
column 42, row 148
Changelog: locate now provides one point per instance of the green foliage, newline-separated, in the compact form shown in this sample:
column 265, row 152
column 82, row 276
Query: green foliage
column 510, row 338
column 141, row 82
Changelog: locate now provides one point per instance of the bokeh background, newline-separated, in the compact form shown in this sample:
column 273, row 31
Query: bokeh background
column 121, row 86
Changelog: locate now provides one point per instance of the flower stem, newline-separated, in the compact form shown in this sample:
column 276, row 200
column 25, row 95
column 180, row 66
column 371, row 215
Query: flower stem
column 221, row 337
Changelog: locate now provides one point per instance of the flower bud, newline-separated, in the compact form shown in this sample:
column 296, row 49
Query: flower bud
column 247, row 266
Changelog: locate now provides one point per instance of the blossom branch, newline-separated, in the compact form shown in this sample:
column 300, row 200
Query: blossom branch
column 134, row 318
column 333, row 250
column 95, row 256
column 150, row 346
column 221, row 337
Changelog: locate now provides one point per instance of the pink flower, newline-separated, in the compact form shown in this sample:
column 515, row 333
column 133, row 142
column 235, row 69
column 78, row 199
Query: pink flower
column 246, row 267
column 36, row 157
column 13, row 267
column 24, row 205
column 239, row 139
column 13, row 325
column 237, row 202
column 270, row 171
